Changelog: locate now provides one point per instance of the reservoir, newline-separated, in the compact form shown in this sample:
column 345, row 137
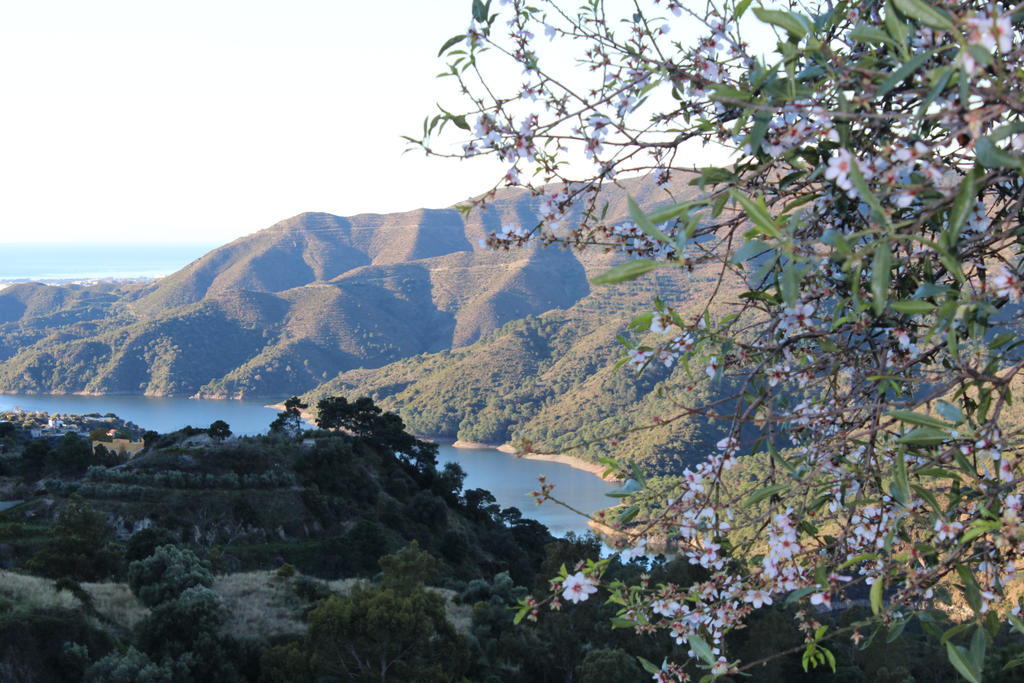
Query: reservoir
column 509, row 478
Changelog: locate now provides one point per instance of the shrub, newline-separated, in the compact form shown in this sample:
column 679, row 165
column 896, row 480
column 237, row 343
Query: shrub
column 165, row 574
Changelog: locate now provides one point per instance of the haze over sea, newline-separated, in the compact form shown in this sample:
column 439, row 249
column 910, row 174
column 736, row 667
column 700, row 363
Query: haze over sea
column 85, row 261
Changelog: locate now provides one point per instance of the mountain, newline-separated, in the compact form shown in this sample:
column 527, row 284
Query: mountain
column 284, row 309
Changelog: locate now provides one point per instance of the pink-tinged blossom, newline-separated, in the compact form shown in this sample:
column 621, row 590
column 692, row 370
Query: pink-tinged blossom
column 822, row 599
column 796, row 318
column 776, row 374
column 661, row 323
column 712, row 368
column 578, row 587
column 758, row 598
column 1006, row 283
column 839, row 167
column 977, row 221
column 638, row 359
column 992, row 31
column 947, row 531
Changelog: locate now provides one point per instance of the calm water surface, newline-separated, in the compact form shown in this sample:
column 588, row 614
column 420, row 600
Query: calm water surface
column 80, row 261
column 159, row 414
column 509, row 478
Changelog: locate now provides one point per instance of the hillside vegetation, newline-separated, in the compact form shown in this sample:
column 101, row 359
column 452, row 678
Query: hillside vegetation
column 551, row 380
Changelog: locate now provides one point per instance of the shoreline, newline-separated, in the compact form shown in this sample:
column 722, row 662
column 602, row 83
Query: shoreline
column 570, row 460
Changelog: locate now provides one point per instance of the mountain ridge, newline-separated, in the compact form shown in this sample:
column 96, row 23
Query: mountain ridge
column 281, row 310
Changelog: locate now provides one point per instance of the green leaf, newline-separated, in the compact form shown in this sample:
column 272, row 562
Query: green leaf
column 912, row 307
column 924, row 436
column 917, row 419
column 796, row 25
column 766, row 492
column 971, row 589
column 479, row 11
column 857, row 178
column 757, row 212
column 1006, row 131
column 896, row 630
column 454, row 40
column 831, row 658
column 866, row 33
column 902, row 73
column 645, row 224
column 800, row 593
column 863, row 557
column 648, row 666
column 674, row 211
column 928, row 496
column 962, row 206
column 630, row 270
column 876, row 596
column 925, row 13
column 980, row 54
column 629, row 514
column 741, row 7
column 714, row 175
column 897, row 29
column 1016, row 623
column 958, row 658
column 949, row 411
column 991, row 156
column 881, row 267
column 790, row 282
column 748, row 251
column 700, row 646
column 1001, row 339
column 900, row 482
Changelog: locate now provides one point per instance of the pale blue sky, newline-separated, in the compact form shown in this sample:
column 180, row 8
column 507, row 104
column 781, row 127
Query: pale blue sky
column 138, row 120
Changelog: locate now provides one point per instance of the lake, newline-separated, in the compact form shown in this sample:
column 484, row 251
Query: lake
column 509, row 478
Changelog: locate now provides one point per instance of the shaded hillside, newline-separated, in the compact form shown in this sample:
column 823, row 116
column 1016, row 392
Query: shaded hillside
column 551, row 379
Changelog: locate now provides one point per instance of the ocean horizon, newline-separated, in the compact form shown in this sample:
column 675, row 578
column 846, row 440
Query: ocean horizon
column 28, row 261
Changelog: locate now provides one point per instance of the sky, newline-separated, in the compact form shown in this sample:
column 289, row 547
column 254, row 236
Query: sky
column 202, row 121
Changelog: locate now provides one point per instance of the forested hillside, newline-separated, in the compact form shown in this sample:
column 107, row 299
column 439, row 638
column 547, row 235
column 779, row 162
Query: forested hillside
column 552, row 380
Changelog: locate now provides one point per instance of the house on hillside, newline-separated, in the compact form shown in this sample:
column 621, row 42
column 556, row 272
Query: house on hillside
column 124, row 447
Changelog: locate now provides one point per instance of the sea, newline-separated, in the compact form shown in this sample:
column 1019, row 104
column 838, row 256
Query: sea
column 70, row 262
column 510, row 479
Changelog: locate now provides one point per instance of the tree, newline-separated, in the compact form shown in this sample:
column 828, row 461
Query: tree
column 289, row 421
column 100, row 434
column 858, row 211
column 394, row 632
column 219, row 430
column 359, row 417
column 78, row 545
column 73, row 453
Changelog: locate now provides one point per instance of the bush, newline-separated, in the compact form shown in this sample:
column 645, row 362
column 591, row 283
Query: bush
column 144, row 542
column 165, row 574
